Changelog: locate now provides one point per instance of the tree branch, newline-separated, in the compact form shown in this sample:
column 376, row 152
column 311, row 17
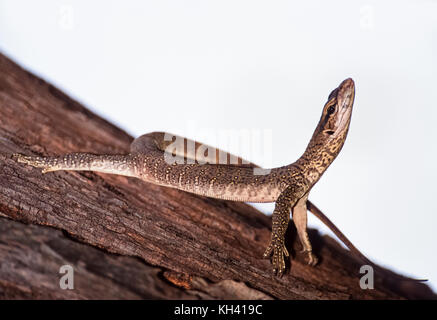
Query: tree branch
column 174, row 244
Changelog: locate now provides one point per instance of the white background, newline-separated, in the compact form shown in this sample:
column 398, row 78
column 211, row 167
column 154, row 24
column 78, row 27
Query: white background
column 198, row 68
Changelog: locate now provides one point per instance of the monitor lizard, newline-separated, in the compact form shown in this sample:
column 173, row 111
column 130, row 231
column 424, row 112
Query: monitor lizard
column 160, row 160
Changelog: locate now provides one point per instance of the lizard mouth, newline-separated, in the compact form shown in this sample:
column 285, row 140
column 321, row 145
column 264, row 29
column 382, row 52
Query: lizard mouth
column 345, row 96
column 346, row 93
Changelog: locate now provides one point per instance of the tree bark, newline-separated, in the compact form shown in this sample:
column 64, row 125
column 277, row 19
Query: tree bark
column 128, row 239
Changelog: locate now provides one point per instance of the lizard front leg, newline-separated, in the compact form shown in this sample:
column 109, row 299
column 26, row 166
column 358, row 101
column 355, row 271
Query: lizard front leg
column 281, row 216
column 300, row 221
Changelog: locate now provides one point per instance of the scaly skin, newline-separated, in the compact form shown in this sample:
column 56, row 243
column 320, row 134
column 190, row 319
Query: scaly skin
column 289, row 186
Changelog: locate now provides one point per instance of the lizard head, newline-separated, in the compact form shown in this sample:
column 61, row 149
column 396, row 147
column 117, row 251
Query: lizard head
column 337, row 111
column 329, row 137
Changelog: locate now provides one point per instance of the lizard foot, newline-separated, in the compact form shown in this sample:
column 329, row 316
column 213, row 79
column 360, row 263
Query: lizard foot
column 37, row 162
column 312, row 258
column 279, row 250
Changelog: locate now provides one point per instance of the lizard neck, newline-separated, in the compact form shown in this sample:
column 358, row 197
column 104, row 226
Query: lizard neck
column 320, row 153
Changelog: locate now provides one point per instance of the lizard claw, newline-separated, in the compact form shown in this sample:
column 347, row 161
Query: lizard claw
column 17, row 156
column 312, row 258
column 279, row 251
column 268, row 251
column 21, row 158
column 36, row 162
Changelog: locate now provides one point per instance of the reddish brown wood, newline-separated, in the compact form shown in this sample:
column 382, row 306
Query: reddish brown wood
column 174, row 244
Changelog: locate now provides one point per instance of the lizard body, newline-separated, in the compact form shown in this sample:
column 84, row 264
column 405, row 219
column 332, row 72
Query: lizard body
column 288, row 186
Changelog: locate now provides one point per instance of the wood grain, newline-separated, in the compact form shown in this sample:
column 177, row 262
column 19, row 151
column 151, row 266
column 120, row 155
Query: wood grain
column 185, row 246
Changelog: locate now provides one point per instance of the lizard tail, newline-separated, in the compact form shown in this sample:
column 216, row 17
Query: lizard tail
column 321, row 216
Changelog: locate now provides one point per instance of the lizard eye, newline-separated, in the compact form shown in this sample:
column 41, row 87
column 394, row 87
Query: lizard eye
column 331, row 110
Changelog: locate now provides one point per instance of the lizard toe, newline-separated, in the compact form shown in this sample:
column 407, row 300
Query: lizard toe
column 278, row 261
column 268, row 251
column 312, row 259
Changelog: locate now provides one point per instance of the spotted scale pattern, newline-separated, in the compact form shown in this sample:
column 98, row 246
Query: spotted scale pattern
column 285, row 185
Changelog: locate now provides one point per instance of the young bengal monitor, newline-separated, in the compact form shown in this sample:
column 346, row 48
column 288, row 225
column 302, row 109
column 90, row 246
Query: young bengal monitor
column 165, row 161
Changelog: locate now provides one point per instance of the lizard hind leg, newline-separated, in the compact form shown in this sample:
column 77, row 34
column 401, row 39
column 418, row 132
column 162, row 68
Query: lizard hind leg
column 47, row 164
column 300, row 221
column 169, row 143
